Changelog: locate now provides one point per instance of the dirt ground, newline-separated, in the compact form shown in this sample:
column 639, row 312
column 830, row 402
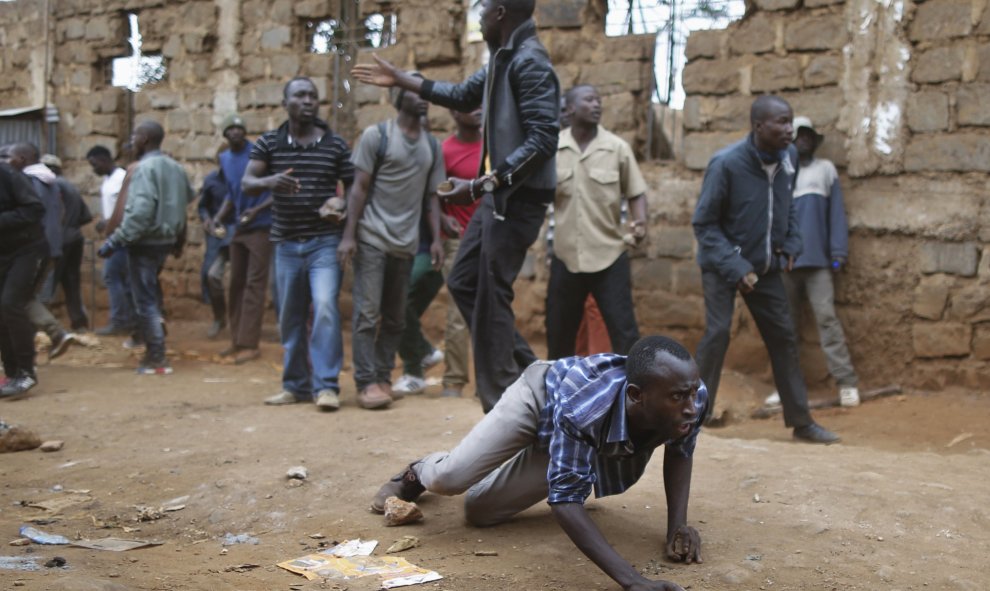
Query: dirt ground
column 901, row 503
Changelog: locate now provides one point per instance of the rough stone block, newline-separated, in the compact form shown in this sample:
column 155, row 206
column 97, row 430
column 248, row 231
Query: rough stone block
column 265, row 94
column 195, row 41
column 972, row 104
column 73, row 29
column 903, row 205
column 981, row 341
column 561, row 13
column 930, row 297
column 663, row 311
column 944, row 339
column 653, row 275
column 276, row 37
column 699, row 147
column 983, row 61
column 285, row 66
column 815, row 33
column 939, row 64
column 962, row 152
column 98, row 28
column 317, row 65
column 756, row 34
column 774, row 74
column 823, row 70
column 817, row 3
column 928, row 111
column 672, row 242
column 106, row 124
column 705, row 43
column 619, row 112
column 310, row 8
column 711, row 77
column 687, row 278
column 725, row 113
column 629, row 47
column 951, row 258
column 692, row 112
column 177, row 121
column 776, row 4
column 821, row 105
column 253, row 67
column 438, row 50
column 970, row 303
column 611, row 77
column 941, row 19
column 568, row 46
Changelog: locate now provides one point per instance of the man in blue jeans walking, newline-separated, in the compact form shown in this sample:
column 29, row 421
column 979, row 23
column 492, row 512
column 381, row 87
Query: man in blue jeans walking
column 154, row 225
column 301, row 163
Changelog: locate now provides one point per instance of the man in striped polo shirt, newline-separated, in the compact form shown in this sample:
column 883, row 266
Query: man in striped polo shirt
column 302, row 163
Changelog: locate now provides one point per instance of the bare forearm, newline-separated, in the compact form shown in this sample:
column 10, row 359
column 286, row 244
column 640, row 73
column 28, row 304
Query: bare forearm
column 637, row 208
column 435, row 217
column 677, row 486
column 254, row 185
column 356, row 201
column 579, row 527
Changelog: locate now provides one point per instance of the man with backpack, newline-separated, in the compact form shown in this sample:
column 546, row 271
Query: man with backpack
column 398, row 166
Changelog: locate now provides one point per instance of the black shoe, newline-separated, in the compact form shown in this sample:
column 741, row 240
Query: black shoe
column 815, row 433
column 61, row 345
column 18, row 386
column 404, row 485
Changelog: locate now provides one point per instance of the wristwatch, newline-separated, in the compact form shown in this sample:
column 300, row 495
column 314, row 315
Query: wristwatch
column 489, row 183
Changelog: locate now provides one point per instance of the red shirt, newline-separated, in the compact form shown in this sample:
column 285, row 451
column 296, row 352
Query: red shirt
column 462, row 162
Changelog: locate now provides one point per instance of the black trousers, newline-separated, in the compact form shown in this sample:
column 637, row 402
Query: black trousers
column 490, row 256
column 67, row 274
column 18, row 270
column 770, row 309
column 566, row 294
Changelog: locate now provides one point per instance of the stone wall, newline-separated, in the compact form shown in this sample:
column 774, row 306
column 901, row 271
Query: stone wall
column 900, row 91
column 227, row 55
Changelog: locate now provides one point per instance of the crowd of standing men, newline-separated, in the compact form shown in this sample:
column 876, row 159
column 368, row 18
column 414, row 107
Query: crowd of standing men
column 408, row 213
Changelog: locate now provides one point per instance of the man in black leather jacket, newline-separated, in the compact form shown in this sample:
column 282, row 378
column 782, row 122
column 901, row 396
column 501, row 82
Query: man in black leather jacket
column 517, row 179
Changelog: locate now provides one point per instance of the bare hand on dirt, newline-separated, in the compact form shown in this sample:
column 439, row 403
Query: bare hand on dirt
column 684, row 545
column 284, row 182
column 380, row 73
column 747, row 283
column 459, row 192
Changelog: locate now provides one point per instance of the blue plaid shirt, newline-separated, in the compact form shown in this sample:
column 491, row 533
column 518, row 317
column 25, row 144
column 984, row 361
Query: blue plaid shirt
column 583, row 427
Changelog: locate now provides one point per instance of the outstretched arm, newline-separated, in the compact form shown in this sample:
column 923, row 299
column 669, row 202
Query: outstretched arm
column 579, row 527
column 683, row 541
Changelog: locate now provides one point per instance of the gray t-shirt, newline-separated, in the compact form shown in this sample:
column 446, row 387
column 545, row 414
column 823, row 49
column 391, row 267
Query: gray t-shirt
column 390, row 221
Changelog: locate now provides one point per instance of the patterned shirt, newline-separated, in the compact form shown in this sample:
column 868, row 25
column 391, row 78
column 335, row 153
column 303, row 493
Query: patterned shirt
column 318, row 166
column 584, row 428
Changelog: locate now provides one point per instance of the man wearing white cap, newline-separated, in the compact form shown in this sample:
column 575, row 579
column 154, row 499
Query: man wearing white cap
column 821, row 216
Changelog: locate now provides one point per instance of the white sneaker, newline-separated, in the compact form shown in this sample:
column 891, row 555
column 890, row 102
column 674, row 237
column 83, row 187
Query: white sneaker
column 328, row 400
column 849, row 396
column 772, row 400
column 408, row 384
column 432, row 359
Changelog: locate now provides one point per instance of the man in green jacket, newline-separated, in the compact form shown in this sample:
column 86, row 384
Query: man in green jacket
column 154, row 225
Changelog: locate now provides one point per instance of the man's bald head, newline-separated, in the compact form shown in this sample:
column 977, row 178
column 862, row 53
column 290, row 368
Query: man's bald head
column 147, row 137
column 28, row 151
column 766, row 106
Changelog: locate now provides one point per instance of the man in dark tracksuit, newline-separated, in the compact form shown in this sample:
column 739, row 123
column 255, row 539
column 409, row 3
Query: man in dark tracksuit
column 747, row 233
column 22, row 249
column 517, row 180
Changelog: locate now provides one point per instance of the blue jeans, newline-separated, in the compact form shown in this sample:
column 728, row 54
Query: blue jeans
column 307, row 275
column 143, row 263
column 118, row 282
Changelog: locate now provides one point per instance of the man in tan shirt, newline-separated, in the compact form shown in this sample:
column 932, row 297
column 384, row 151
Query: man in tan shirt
column 596, row 170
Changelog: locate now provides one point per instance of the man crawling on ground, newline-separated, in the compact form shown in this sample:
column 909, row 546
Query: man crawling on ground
column 570, row 426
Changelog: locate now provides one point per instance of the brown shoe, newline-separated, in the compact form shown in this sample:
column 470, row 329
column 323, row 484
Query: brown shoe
column 245, row 355
column 373, row 397
column 404, row 485
column 231, row 350
column 394, row 395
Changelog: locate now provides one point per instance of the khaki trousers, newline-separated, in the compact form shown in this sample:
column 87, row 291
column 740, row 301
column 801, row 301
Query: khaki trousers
column 497, row 463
